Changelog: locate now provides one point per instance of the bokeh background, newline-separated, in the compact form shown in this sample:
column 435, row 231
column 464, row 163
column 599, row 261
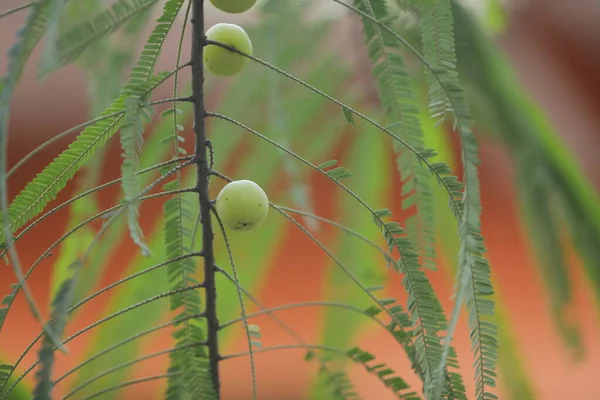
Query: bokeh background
column 549, row 44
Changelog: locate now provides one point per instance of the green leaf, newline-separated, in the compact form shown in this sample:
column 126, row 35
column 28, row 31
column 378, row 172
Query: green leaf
column 47, row 184
column 327, row 164
column 348, row 116
column 339, row 173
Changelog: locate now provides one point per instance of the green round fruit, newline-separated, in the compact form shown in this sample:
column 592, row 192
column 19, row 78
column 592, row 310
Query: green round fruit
column 242, row 205
column 222, row 61
column 233, row 6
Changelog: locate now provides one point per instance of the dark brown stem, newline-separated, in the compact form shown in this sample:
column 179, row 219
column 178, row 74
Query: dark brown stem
column 202, row 179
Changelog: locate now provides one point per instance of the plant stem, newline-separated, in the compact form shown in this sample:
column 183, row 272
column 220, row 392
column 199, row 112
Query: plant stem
column 203, row 171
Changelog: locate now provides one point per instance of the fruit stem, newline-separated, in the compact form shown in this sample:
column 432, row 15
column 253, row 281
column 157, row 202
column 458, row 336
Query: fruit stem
column 202, row 180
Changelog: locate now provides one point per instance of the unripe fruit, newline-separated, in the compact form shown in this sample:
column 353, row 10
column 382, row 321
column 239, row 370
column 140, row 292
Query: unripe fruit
column 225, row 62
column 242, row 205
column 233, row 6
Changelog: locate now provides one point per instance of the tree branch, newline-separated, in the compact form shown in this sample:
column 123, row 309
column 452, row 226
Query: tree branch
column 203, row 172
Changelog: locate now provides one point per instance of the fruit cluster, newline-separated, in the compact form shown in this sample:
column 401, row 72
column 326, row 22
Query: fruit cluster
column 241, row 205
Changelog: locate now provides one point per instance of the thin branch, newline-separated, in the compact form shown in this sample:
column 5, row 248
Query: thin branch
column 270, row 312
column 172, row 100
column 385, row 254
column 244, row 318
column 124, row 342
column 16, row 9
column 129, row 383
column 129, row 363
column 100, row 322
column 288, row 347
column 307, row 304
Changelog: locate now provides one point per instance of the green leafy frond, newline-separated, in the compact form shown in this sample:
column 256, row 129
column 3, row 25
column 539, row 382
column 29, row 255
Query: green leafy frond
column 28, row 36
column 136, row 111
column 474, row 273
column 134, row 98
column 47, row 184
column 337, row 173
column 437, row 34
column 336, row 384
column 396, row 384
column 427, row 316
column 54, row 177
column 60, row 308
column 7, row 302
column 72, row 43
column 454, row 385
column 191, row 364
column 399, row 101
column 56, row 11
column 543, row 224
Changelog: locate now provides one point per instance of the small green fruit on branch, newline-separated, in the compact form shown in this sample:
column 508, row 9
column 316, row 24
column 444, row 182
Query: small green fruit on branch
column 225, row 62
column 233, row 6
column 242, row 205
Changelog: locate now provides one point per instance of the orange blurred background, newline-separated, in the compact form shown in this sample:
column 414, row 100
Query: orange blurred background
column 551, row 46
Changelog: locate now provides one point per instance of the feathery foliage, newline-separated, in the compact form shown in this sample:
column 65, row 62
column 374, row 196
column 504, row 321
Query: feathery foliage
column 71, row 44
column 60, row 306
column 546, row 241
column 336, row 385
column 395, row 383
column 427, row 316
column 191, row 363
column 283, row 111
column 54, row 177
column 398, row 99
column 56, row 11
column 48, row 183
column 136, row 111
column 438, row 48
column 134, row 99
column 474, row 275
